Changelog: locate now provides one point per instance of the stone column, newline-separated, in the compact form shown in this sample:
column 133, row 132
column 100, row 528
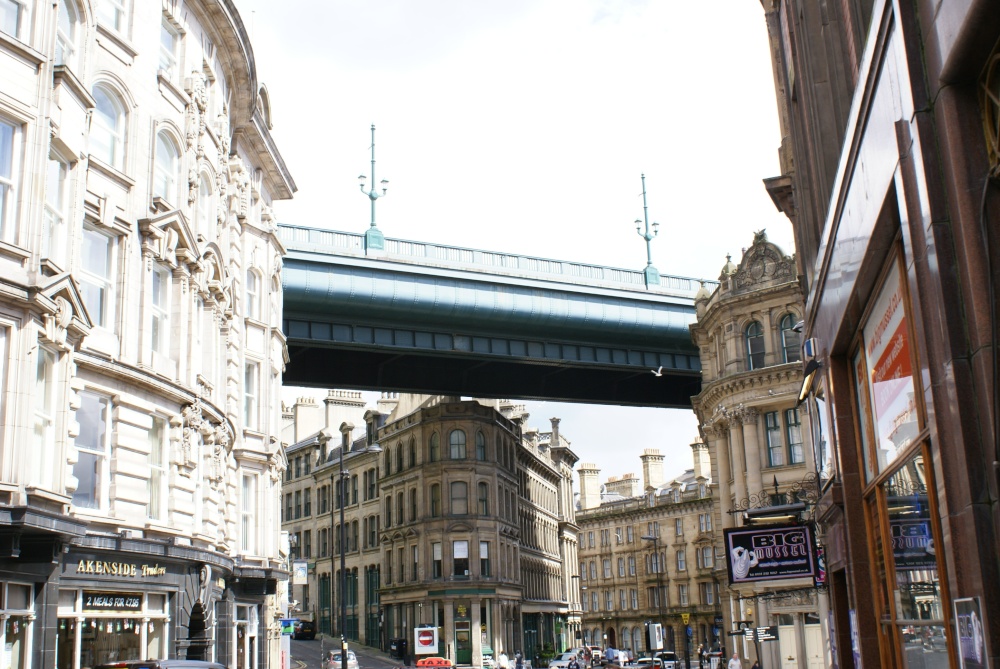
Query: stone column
column 719, row 445
column 751, row 445
column 477, row 641
column 738, row 463
column 447, row 644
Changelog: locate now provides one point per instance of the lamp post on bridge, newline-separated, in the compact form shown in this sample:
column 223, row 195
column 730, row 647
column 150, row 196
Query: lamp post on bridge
column 652, row 275
column 374, row 239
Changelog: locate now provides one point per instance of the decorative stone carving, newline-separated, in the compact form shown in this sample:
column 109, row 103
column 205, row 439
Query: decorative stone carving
column 763, row 263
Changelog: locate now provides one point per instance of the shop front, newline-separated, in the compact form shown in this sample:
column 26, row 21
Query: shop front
column 115, row 606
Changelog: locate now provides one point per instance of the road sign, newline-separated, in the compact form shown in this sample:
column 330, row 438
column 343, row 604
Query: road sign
column 769, row 633
column 685, row 618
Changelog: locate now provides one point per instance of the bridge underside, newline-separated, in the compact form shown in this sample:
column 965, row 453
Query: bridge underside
column 325, row 355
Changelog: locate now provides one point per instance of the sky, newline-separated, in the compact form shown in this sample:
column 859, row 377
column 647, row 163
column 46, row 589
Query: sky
column 523, row 126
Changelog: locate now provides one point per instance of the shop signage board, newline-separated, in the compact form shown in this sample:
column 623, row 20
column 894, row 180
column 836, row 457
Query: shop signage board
column 912, row 545
column 111, row 601
column 770, row 553
column 425, row 641
column 288, row 626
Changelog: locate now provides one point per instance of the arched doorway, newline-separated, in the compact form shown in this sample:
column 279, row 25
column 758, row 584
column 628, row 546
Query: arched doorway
column 612, row 638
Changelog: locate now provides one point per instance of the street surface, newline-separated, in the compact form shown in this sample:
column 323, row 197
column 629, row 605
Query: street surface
column 309, row 655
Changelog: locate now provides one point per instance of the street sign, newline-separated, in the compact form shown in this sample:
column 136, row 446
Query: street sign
column 685, row 618
column 769, row 633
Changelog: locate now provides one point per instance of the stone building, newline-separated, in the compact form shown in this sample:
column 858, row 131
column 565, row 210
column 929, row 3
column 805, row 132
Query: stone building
column 455, row 517
column 140, row 342
column 647, row 554
column 889, row 154
column 763, row 455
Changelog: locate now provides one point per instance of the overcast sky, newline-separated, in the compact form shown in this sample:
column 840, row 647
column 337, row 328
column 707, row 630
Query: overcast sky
column 523, row 126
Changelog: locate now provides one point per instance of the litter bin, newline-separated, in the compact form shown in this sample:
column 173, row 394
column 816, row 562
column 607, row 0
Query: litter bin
column 396, row 648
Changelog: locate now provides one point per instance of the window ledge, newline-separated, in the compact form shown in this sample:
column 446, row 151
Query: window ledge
column 120, row 47
column 63, row 75
column 21, row 50
column 112, row 173
column 174, row 95
column 7, row 249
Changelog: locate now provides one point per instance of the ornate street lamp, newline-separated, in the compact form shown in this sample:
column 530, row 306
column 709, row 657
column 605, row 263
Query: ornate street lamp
column 345, row 430
column 651, row 274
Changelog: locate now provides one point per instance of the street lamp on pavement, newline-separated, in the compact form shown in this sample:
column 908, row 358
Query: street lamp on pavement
column 659, row 571
column 345, row 431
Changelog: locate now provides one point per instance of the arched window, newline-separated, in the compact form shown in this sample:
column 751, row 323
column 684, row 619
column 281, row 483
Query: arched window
column 484, row 499
column 435, row 501
column 388, row 461
column 253, row 295
column 456, row 440
column 107, row 130
column 755, row 345
column 435, row 448
column 388, row 511
column 413, row 505
column 67, row 33
column 480, row 447
column 166, row 168
column 399, row 458
column 204, row 215
column 459, row 498
column 790, row 341
column 413, row 453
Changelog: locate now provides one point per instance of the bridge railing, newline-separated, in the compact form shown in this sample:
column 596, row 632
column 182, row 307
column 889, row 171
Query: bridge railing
column 316, row 240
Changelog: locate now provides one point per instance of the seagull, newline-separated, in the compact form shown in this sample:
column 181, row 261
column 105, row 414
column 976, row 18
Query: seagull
column 658, row 371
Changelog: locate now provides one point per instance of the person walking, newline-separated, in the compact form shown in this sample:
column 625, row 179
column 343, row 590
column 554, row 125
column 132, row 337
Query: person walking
column 735, row 662
column 518, row 660
column 573, row 663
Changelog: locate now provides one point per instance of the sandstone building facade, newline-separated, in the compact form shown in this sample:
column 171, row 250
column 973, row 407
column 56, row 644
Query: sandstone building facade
column 140, row 343
column 763, row 454
column 455, row 516
column 647, row 554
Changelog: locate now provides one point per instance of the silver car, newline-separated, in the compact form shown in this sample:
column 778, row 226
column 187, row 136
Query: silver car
column 333, row 660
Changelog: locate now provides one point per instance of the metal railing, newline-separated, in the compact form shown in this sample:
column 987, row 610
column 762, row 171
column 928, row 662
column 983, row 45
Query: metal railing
column 301, row 238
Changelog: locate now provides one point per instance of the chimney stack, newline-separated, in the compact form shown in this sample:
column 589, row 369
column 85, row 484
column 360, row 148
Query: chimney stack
column 652, row 468
column 702, row 460
column 590, row 487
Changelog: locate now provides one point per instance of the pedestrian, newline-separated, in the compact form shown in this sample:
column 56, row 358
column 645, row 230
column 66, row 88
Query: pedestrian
column 734, row 662
column 701, row 656
column 756, row 664
column 573, row 664
column 518, row 660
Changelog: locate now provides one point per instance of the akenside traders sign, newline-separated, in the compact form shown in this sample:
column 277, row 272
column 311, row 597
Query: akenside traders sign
column 772, row 553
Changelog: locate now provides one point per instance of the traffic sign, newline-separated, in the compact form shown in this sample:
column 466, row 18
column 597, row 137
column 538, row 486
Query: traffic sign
column 685, row 618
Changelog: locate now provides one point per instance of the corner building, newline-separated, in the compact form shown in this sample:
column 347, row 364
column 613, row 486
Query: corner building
column 889, row 156
column 647, row 554
column 768, row 465
column 461, row 519
column 140, row 343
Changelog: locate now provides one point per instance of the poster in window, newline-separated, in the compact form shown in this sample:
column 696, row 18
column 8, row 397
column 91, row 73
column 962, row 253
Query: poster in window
column 969, row 625
column 890, row 374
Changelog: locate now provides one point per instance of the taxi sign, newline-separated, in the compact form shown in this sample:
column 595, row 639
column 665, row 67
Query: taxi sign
column 433, row 662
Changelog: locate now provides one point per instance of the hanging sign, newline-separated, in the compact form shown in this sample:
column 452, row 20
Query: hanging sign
column 769, row 553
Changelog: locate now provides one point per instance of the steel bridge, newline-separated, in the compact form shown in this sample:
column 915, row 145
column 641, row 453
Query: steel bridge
column 429, row 318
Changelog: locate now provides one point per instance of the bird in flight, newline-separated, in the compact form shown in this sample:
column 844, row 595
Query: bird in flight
column 658, row 371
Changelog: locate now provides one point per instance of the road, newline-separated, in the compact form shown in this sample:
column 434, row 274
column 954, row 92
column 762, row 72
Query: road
column 310, row 654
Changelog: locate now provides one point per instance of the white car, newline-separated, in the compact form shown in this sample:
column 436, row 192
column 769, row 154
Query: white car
column 562, row 660
column 333, row 660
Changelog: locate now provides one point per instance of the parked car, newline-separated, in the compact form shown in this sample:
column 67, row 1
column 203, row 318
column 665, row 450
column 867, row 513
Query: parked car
column 649, row 663
column 304, row 629
column 669, row 659
column 596, row 655
column 561, row 661
column 333, row 660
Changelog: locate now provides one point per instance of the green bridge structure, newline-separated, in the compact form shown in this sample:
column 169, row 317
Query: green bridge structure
column 430, row 318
